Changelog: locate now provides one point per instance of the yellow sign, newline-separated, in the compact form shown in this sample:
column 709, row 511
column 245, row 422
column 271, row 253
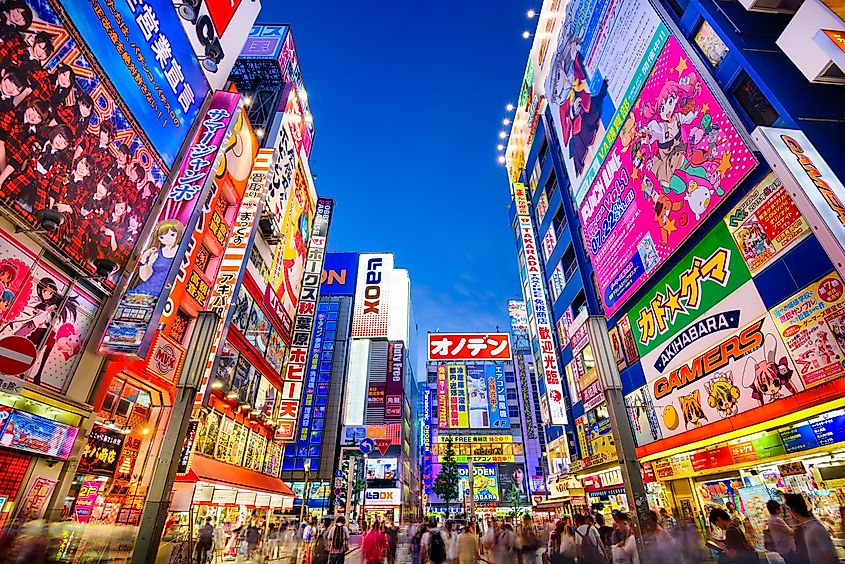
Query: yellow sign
column 477, row 439
column 521, row 199
column 478, row 459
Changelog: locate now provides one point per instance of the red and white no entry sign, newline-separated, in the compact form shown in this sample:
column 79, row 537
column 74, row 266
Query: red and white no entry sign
column 17, row 355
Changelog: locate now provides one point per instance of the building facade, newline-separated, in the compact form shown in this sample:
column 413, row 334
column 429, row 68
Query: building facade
column 633, row 203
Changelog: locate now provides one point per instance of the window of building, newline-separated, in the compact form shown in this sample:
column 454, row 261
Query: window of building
column 509, row 378
column 543, row 152
column 551, row 185
column 710, row 43
column 754, row 102
column 513, row 412
column 678, row 6
column 579, row 303
column 511, row 395
column 570, row 265
column 559, row 221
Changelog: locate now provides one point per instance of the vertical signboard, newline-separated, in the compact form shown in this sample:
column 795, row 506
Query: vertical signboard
column 442, row 398
column 150, row 62
column 817, row 191
column 519, row 324
column 497, row 396
column 232, row 264
column 477, row 397
column 548, row 359
column 304, row 323
column 135, row 319
column 308, row 433
column 458, row 405
column 369, row 318
column 653, row 191
column 395, row 381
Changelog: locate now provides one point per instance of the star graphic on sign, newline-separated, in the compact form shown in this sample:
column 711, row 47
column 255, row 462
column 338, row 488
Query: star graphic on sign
column 635, row 173
column 673, row 303
column 669, row 226
column 705, row 107
column 725, row 163
column 682, row 66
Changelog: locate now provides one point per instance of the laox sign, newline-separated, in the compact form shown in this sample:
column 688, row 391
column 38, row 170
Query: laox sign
column 372, row 292
column 382, row 495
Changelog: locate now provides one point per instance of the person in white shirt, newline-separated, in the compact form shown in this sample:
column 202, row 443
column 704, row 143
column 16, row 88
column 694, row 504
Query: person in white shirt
column 783, row 537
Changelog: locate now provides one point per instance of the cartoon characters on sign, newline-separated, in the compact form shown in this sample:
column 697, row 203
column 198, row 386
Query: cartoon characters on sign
column 157, row 258
column 691, row 409
column 767, row 378
column 63, row 140
column 722, row 394
column 580, row 108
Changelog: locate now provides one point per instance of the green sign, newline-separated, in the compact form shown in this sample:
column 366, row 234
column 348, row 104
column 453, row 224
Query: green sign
column 769, row 445
column 699, row 281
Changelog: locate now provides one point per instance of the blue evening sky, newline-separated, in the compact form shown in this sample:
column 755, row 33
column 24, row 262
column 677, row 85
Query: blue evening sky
column 407, row 104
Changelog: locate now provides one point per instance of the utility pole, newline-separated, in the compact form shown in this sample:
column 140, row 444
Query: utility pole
column 471, row 487
column 620, row 424
column 164, row 469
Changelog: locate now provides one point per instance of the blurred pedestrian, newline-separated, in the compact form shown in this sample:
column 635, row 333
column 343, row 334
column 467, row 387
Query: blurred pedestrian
column 591, row 550
column 337, row 538
column 253, row 540
column 624, row 549
column 529, row 540
column 373, row 547
column 562, row 548
column 505, row 551
column 778, row 536
column 735, row 548
column 467, row 547
column 812, row 541
column 659, row 546
column 205, row 541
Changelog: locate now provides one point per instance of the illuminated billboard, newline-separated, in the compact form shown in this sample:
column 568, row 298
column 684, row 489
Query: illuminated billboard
column 150, row 62
column 458, row 406
column 596, row 73
column 541, row 319
column 468, row 346
column 395, row 381
column 370, row 316
column 217, row 32
column 339, row 274
column 135, row 319
column 654, row 191
column 381, row 469
column 69, row 145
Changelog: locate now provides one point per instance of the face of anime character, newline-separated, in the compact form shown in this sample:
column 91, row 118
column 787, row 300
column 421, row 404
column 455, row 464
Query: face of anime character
column 767, row 379
column 40, row 51
column 46, row 293
column 82, row 168
column 84, row 110
column 60, row 143
column 4, row 305
column 16, row 17
column 667, row 107
column 63, row 79
column 6, row 277
column 68, row 345
column 9, row 88
column 32, row 116
column 168, row 238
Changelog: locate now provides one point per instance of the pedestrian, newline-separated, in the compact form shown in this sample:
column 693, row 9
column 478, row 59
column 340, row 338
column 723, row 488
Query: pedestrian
column 735, row 548
column 778, row 536
column 373, row 547
column 417, row 546
column 505, row 551
column 605, row 532
column 436, row 549
column 591, row 550
column 562, row 547
column 530, row 541
column 253, row 539
column 337, row 538
column 452, row 544
column 659, row 546
column 491, row 539
column 624, row 548
column 667, row 522
column 467, row 547
column 392, row 532
column 812, row 541
column 205, row 541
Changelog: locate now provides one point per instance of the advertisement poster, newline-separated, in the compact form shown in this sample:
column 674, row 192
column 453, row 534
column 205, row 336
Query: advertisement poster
column 372, row 295
column 33, row 503
column 590, row 391
column 442, row 398
column 102, row 451
column 85, row 500
column 812, row 324
column 32, row 433
column 766, row 223
column 70, row 106
column 513, row 476
column 616, row 345
column 395, row 379
column 643, row 419
column 710, row 272
column 458, row 405
column 485, row 483
column 135, row 320
column 497, row 396
column 469, row 346
column 289, row 258
column 381, row 469
column 602, row 57
column 724, row 365
column 479, row 418
column 677, row 157
column 629, row 344
column 30, row 296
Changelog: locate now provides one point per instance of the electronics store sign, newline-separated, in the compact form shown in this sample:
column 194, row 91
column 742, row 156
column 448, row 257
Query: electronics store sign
column 382, row 496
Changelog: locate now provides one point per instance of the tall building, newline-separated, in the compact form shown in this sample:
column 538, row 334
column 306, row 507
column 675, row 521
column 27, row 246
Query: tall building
column 474, row 402
column 686, row 197
column 377, row 470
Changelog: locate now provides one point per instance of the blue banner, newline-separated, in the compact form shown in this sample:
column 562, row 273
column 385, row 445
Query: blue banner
column 149, row 61
column 497, row 396
column 340, row 271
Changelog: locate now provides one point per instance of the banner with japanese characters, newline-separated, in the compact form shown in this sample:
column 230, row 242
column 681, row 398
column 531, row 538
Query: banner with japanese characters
column 497, row 396
column 547, row 357
column 135, row 320
column 766, row 223
column 468, row 346
column 812, row 323
column 393, row 389
column 710, row 272
column 442, row 398
column 677, row 157
column 303, row 326
column 458, row 405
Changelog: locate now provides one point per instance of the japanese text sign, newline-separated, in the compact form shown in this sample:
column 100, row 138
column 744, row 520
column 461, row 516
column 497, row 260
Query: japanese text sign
column 135, row 319
column 468, row 346
column 666, row 173
column 102, row 451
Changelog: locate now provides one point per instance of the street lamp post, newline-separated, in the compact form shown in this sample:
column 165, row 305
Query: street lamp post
column 364, row 503
column 307, row 468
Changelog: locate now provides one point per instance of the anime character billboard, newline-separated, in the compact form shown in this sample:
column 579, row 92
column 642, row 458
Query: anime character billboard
column 676, row 158
column 36, row 303
column 603, row 55
column 65, row 143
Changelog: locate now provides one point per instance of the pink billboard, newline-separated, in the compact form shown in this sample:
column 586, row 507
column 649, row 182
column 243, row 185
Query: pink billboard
column 676, row 159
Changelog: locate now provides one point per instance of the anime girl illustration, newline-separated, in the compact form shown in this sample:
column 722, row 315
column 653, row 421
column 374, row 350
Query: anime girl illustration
column 580, row 109
column 766, row 378
column 754, row 242
column 722, row 394
column 157, row 258
column 8, row 272
column 648, row 253
column 691, row 409
column 64, row 339
column 663, row 206
column 297, row 246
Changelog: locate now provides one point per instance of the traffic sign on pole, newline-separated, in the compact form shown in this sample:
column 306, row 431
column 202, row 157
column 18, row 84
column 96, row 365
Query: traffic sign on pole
column 367, row 446
column 17, row 355
column 382, row 445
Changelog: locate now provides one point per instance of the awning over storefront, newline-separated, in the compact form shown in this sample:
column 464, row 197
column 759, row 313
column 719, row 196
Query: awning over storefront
column 208, row 470
column 551, row 504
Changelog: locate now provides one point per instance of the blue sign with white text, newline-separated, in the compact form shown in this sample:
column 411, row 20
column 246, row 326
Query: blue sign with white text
column 340, row 271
